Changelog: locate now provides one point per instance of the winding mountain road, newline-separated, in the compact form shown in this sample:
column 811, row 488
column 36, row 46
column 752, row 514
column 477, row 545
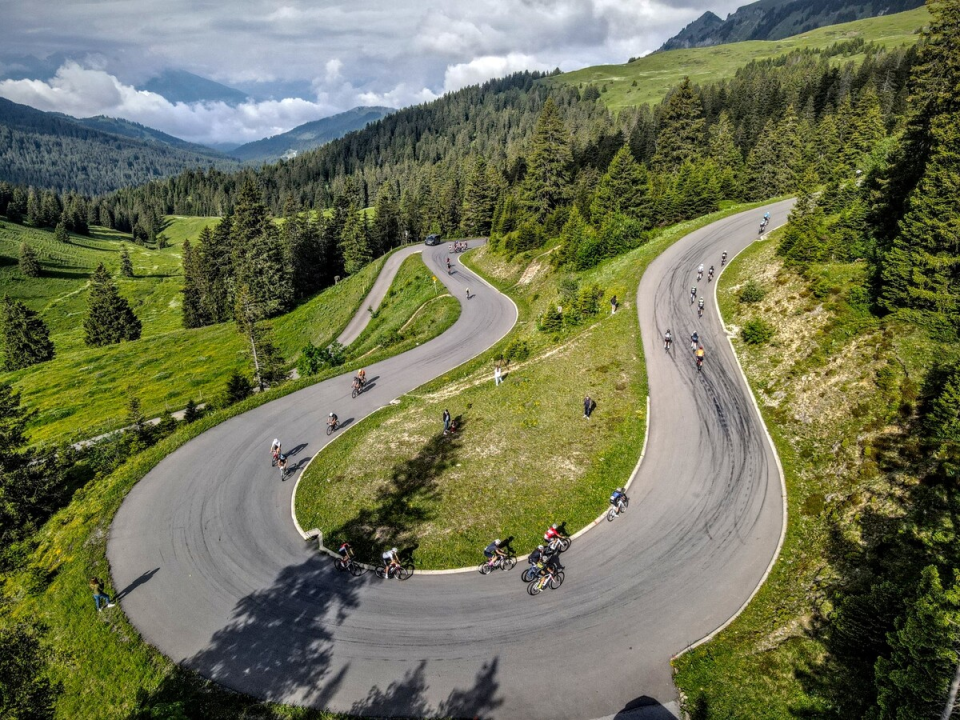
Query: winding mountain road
column 213, row 573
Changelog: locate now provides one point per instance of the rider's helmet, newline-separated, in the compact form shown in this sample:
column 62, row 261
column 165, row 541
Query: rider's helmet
column 393, row 550
column 554, row 526
column 540, row 547
column 331, row 414
column 497, row 541
column 619, row 490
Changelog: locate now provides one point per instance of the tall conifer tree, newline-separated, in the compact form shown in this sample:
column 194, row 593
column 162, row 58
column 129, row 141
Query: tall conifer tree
column 622, row 189
column 548, row 163
column 110, row 318
column 29, row 264
column 682, row 129
column 26, row 338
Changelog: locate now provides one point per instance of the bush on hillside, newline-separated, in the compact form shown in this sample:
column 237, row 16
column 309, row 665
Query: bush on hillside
column 751, row 292
column 757, row 332
column 313, row 359
column 516, row 349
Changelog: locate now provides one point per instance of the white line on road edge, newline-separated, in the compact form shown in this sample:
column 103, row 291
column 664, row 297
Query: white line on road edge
column 783, row 481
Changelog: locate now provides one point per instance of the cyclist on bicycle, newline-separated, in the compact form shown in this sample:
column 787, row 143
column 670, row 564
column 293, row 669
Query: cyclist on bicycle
column 493, row 551
column 332, row 420
column 700, row 271
column 617, row 497
column 723, row 258
column 694, row 340
column 553, row 565
column 552, row 534
column 710, row 273
column 282, row 464
column 693, row 294
column 275, row 449
column 346, row 553
column 361, row 376
column 391, row 561
column 700, row 355
column 667, row 339
column 538, row 555
column 700, row 303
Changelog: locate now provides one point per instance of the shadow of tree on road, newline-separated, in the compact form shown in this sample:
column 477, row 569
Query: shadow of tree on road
column 278, row 647
column 407, row 697
column 393, row 516
column 277, row 644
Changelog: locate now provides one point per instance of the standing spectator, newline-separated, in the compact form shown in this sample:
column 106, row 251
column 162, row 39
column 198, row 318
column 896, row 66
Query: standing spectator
column 497, row 374
column 446, row 422
column 613, row 304
column 587, row 406
column 96, row 585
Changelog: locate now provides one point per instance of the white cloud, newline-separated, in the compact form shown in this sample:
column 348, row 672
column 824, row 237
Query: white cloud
column 333, row 68
column 83, row 92
column 484, row 68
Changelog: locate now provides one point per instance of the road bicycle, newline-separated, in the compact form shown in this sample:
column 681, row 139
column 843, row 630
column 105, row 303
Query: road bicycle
column 349, row 565
column 400, row 573
column 531, row 573
column 700, row 311
column 619, row 508
column 667, row 342
column 545, row 581
column 558, row 544
column 358, row 387
column 699, row 363
column 503, row 562
column 334, row 426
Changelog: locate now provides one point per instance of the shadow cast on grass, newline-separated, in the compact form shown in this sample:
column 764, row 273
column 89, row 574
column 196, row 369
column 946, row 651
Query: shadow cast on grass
column 393, row 515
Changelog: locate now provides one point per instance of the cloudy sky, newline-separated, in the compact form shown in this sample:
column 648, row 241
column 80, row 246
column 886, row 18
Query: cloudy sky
column 304, row 60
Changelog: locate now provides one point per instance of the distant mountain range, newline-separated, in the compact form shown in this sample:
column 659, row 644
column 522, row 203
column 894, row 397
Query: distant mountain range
column 309, row 135
column 777, row 19
column 92, row 155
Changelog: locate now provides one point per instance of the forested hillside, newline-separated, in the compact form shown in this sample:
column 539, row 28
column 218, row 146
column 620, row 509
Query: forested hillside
column 97, row 155
column 776, row 19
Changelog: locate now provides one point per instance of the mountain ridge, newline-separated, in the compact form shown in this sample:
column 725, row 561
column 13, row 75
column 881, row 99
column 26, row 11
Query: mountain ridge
column 310, row 135
column 777, row 19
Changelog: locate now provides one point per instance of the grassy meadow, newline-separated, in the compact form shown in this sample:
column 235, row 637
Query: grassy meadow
column 648, row 79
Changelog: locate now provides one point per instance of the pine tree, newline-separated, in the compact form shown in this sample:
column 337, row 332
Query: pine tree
column 28, row 691
column 355, row 244
column 622, row 189
column 238, row 388
column 866, row 129
column 573, row 235
column 215, row 265
column 724, row 152
column 191, row 413
column 17, row 207
column 29, row 264
column 912, row 684
column 25, row 340
column 60, row 233
column 192, row 307
column 942, row 423
column 126, row 266
column 774, row 163
column 681, row 133
column 922, row 269
column 386, row 232
column 110, row 318
column 267, row 360
column 933, row 93
column 258, row 254
column 548, row 163
column 805, row 238
column 479, row 199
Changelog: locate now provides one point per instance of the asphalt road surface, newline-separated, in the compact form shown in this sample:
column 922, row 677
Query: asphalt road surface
column 212, row 571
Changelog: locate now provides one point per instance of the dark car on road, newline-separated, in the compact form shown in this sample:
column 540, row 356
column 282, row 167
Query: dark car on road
column 432, row 239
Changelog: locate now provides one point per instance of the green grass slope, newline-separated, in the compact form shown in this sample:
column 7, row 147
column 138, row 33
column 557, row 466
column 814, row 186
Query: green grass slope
column 656, row 74
column 84, row 391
